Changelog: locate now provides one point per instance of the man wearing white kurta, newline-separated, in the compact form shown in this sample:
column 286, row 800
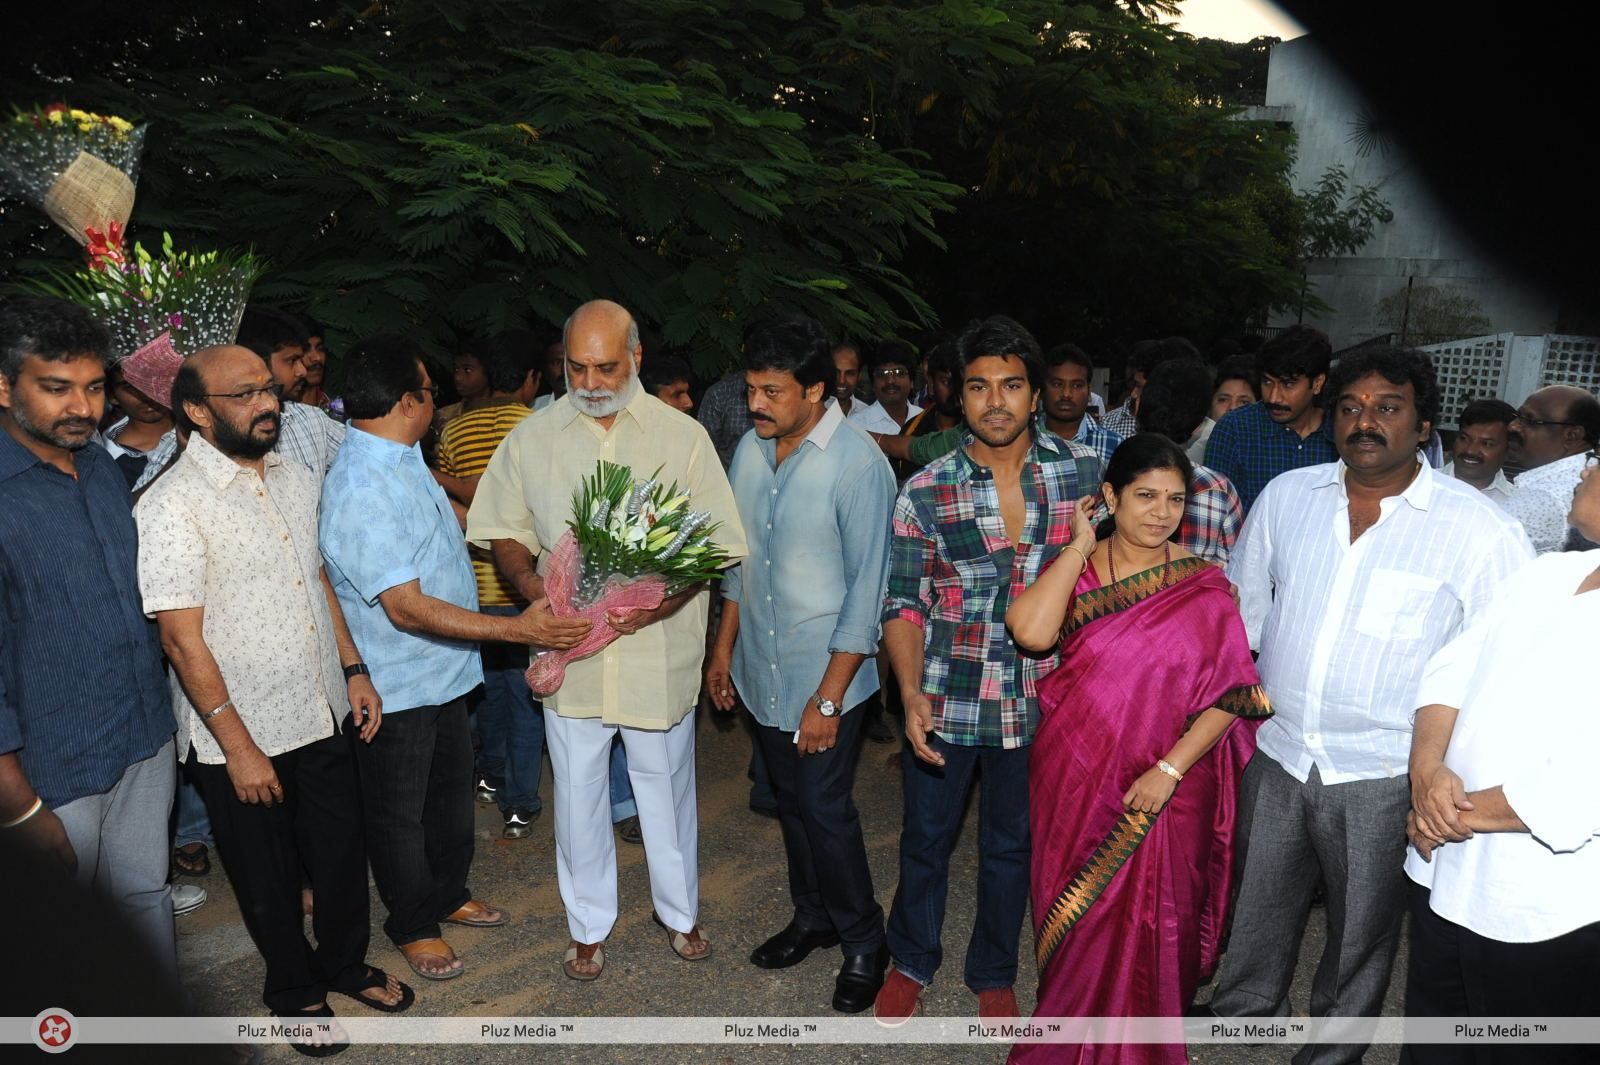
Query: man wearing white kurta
column 645, row 684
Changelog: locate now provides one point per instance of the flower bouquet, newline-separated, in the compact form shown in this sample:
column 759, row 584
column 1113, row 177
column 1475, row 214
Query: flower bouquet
column 629, row 546
column 165, row 306
column 80, row 168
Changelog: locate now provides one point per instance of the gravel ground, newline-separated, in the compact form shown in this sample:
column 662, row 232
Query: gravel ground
column 515, row 970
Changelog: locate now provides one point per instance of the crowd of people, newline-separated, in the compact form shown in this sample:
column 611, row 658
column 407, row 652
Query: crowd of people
column 1239, row 641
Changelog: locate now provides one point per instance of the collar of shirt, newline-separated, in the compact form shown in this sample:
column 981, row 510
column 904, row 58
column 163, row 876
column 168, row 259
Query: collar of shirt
column 819, row 437
column 967, row 469
column 380, row 448
column 14, row 458
column 1418, row 494
column 635, row 408
column 218, row 468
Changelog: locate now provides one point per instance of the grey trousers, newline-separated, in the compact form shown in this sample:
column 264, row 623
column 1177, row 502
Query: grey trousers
column 120, row 837
column 1353, row 836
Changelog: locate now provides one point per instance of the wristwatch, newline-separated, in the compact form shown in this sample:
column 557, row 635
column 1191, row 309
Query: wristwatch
column 356, row 669
column 827, row 707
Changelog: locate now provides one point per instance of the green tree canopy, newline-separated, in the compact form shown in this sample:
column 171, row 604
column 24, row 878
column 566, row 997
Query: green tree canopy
column 462, row 166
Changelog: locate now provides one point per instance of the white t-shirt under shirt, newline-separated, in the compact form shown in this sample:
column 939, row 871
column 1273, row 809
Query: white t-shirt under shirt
column 1521, row 678
column 872, row 418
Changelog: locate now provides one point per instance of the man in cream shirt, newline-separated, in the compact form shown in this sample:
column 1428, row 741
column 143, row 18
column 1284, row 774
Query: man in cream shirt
column 645, row 684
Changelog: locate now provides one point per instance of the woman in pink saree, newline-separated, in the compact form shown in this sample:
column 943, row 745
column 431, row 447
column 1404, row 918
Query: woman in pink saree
column 1145, row 729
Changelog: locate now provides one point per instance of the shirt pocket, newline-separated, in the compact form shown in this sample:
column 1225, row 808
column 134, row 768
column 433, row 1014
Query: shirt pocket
column 1396, row 605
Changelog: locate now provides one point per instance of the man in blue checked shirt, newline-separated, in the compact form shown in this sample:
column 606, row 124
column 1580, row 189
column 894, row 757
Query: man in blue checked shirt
column 800, row 616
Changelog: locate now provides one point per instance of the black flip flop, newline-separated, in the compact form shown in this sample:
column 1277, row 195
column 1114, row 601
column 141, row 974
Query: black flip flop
column 196, row 864
column 326, row 1050
column 378, row 978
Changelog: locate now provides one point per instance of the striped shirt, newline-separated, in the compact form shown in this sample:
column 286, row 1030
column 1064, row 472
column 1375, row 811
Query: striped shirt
column 465, row 447
column 82, row 694
column 1345, row 629
column 952, row 573
column 308, row 436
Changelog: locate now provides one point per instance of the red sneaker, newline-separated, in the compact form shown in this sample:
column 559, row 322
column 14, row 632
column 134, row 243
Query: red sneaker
column 997, row 1004
column 898, row 999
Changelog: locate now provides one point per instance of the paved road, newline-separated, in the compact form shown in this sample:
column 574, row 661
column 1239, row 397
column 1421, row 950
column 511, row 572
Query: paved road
column 516, row 970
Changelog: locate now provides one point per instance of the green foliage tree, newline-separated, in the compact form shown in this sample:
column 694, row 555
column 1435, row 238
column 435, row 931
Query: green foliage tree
column 460, row 166
column 1337, row 219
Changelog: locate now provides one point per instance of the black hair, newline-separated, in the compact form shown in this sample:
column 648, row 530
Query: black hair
column 942, row 358
column 378, row 372
column 1175, row 399
column 52, row 329
column 1062, row 354
column 1298, row 351
column 509, row 357
column 659, row 371
column 1484, row 411
column 890, row 353
column 1585, row 412
column 1396, row 365
column 1238, row 367
column 1137, row 456
column 313, row 327
column 187, row 387
column 794, row 345
column 1224, row 348
column 998, row 335
column 266, row 329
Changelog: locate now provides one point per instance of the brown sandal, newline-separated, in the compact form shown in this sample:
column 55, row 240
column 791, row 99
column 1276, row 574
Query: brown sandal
column 430, row 948
column 593, row 953
column 476, row 915
column 678, row 941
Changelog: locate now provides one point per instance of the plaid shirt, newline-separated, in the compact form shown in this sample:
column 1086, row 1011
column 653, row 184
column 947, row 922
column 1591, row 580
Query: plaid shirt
column 1121, row 420
column 952, row 573
column 1250, row 449
column 1211, row 516
column 1094, row 435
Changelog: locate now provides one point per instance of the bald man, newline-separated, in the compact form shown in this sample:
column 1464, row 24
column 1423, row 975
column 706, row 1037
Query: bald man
column 645, row 685
column 1552, row 431
column 267, row 713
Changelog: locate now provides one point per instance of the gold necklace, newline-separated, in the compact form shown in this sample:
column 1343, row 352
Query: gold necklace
column 1111, row 563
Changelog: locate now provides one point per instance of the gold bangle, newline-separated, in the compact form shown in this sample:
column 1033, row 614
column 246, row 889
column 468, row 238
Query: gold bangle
column 1079, row 550
column 209, row 714
column 38, row 804
column 1167, row 768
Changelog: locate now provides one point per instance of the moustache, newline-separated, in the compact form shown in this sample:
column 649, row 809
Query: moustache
column 74, row 423
column 264, row 419
column 1358, row 437
column 760, row 418
column 1279, row 408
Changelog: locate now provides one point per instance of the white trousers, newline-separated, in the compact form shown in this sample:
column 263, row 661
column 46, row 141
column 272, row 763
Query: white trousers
column 661, row 769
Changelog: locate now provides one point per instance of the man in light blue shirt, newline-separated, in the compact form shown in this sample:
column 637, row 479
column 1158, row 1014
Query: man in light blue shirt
column 800, row 616
column 399, row 568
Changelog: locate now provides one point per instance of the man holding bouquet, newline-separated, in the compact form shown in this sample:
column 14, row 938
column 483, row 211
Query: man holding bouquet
column 644, row 685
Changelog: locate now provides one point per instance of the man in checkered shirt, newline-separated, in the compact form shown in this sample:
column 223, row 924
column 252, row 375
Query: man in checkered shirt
column 969, row 532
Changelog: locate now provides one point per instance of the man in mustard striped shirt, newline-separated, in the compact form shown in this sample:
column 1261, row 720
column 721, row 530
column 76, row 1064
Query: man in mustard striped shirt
column 510, row 719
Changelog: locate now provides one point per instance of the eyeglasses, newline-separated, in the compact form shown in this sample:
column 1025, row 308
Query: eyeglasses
column 1591, row 459
column 432, row 390
column 249, row 395
column 1536, row 423
column 892, row 371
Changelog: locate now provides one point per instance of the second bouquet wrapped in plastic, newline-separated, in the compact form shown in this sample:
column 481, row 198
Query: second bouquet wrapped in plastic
column 630, row 545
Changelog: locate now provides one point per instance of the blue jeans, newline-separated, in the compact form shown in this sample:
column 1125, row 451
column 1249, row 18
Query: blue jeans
column 622, row 804
column 194, row 824
column 510, row 723
column 935, row 801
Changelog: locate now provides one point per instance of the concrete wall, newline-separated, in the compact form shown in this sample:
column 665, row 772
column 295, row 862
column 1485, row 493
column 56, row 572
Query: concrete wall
column 1308, row 90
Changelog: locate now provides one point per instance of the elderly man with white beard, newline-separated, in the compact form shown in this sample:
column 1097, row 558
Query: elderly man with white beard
column 646, row 684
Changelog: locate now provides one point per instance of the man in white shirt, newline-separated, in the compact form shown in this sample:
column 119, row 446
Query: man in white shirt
column 1553, row 428
column 1482, row 444
column 1350, row 575
column 1505, row 899
column 891, row 369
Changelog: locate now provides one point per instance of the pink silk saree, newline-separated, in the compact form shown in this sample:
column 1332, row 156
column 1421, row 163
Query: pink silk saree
column 1129, row 908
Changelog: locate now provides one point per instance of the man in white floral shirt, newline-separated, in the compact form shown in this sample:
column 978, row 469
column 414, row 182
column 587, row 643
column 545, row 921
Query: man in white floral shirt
column 269, row 691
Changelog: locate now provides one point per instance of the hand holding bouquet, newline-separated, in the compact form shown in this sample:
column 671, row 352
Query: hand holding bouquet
column 629, row 546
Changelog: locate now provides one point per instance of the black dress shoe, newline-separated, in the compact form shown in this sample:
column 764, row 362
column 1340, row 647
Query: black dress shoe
column 860, row 979
column 790, row 947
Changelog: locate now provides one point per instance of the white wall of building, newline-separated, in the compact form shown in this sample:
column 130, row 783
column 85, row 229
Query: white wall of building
column 1422, row 242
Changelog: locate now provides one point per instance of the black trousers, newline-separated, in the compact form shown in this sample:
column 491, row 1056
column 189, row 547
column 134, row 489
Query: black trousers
column 416, row 787
column 1455, row 972
column 317, row 826
column 829, row 878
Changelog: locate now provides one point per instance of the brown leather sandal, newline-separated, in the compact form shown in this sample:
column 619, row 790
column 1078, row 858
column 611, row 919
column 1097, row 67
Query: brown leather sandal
column 476, row 915
column 678, row 941
column 593, row 953
column 430, row 948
